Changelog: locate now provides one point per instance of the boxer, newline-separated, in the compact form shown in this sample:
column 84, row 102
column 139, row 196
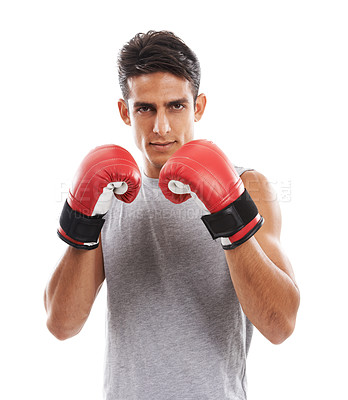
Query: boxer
column 188, row 244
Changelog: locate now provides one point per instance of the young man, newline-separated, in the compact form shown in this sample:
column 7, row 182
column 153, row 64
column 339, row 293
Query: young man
column 181, row 307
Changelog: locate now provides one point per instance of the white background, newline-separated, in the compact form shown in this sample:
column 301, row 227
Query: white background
column 275, row 74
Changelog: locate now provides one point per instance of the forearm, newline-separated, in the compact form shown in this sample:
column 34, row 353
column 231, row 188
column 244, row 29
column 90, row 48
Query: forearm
column 71, row 291
column 268, row 295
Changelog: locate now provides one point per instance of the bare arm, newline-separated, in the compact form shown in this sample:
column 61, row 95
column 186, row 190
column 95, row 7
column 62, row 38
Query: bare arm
column 261, row 272
column 72, row 289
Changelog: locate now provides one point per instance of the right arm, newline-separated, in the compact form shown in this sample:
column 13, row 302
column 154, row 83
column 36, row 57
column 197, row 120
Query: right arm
column 72, row 289
column 106, row 171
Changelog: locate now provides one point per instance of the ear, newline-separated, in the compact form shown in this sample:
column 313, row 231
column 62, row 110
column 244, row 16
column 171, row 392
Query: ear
column 201, row 102
column 123, row 109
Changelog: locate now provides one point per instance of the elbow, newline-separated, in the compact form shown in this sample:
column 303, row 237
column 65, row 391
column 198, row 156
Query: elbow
column 60, row 331
column 283, row 327
column 277, row 331
column 279, row 335
column 60, row 324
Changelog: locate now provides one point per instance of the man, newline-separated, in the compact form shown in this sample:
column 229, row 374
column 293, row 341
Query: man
column 181, row 306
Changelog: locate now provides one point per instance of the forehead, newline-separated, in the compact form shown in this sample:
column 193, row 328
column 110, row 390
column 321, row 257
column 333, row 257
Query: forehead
column 159, row 86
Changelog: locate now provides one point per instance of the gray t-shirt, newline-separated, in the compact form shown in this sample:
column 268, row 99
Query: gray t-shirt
column 175, row 327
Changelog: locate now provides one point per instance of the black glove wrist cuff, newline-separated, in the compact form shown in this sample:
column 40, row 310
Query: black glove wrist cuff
column 233, row 218
column 80, row 228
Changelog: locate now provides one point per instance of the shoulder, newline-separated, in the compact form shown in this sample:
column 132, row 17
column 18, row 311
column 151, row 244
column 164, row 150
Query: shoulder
column 255, row 182
column 265, row 198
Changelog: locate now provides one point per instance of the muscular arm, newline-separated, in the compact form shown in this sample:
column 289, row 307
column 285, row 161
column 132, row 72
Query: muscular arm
column 72, row 289
column 261, row 273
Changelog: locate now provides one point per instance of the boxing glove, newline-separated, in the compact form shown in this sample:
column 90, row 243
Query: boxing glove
column 106, row 171
column 200, row 169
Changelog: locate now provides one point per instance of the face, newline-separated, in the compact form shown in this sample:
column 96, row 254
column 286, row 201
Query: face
column 162, row 113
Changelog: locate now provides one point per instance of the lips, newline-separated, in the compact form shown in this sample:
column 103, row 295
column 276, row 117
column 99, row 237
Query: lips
column 162, row 146
column 161, row 143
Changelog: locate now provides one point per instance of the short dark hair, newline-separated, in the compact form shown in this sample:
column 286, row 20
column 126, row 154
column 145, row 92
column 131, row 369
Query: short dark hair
column 157, row 51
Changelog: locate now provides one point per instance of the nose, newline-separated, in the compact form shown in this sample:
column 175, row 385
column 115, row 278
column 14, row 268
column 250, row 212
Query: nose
column 161, row 125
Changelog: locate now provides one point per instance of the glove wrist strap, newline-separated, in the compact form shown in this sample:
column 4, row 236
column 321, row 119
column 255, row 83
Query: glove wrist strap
column 233, row 218
column 79, row 230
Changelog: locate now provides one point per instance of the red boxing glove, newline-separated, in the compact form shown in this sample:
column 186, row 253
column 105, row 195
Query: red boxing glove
column 106, row 170
column 199, row 168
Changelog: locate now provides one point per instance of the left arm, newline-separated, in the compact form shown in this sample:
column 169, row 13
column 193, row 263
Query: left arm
column 261, row 272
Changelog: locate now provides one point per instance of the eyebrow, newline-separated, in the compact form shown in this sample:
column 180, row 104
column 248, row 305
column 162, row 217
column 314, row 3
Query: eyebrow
column 170, row 103
column 142, row 104
column 182, row 100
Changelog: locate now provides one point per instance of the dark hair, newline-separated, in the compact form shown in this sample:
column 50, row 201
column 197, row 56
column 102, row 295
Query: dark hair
column 157, row 51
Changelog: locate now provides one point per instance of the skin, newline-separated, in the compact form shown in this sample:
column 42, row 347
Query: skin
column 161, row 112
column 260, row 270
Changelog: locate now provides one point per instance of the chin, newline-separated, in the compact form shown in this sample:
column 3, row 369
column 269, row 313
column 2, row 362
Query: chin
column 160, row 161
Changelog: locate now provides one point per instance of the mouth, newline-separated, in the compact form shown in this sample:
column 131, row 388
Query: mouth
column 162, row 146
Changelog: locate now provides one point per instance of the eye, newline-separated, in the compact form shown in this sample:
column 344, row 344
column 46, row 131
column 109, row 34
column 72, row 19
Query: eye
column 144, row 109
column 178, row 106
